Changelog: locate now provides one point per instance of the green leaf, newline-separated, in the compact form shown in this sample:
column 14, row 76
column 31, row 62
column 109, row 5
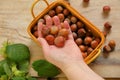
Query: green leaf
column 18, row 78
column 18, row 52
column 16, row 71
column 24, row 66
column 45, row 69
column 7, row 69
column 2, row 72
column 3, row 49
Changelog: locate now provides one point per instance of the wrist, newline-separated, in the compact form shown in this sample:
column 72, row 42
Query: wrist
column 81, row 68
column 73, row 65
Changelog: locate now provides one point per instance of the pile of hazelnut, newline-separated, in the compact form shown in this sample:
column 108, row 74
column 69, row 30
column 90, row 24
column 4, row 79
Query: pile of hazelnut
column 83, row 36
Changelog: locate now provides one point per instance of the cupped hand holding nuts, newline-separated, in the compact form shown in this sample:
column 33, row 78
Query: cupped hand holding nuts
column 52, row 32
column 58, row 43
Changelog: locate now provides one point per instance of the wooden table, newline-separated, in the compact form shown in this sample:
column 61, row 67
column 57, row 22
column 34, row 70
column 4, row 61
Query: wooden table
column 15, row 17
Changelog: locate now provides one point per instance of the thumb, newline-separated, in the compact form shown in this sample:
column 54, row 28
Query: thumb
column 44, row 44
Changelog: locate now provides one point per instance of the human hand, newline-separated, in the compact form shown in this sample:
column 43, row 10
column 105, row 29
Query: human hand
column 61, row 57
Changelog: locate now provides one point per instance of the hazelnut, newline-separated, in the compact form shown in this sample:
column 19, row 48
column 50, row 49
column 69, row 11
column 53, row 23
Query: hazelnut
column 94, row 44
column 106, row 9
column 97, row 39
column 87, row 40
column 54, row 30
column 107, row 26
column 89, row 50
column 59, row 41
column 35, row 34
column 81, row 32
column 66, row 12
column 112, row 44
column 73, row 27
column 51, row 13
column 61, row 17
column 107, row 48
column 50, row 39
column 73, row 19
column 45, row 31
column 80, row 24
column 63, row 32
column 78, row 41
column 59, row 9
column 82, row 48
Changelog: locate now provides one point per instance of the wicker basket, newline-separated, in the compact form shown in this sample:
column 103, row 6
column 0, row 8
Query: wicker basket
column 95, row 53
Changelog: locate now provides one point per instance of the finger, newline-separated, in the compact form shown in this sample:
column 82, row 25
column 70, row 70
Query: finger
column 45, row 45
column 71, row 36
column 40, row 26
column 56, row 21
column 67, row 26
column 48, row 21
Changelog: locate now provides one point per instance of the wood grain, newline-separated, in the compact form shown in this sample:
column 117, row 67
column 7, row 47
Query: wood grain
column 15, row 17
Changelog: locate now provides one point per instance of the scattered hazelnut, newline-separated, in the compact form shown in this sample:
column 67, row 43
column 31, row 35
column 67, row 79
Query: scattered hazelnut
column 107, row 49
column 112, row 44
column 107, row 26
column 106, row 9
